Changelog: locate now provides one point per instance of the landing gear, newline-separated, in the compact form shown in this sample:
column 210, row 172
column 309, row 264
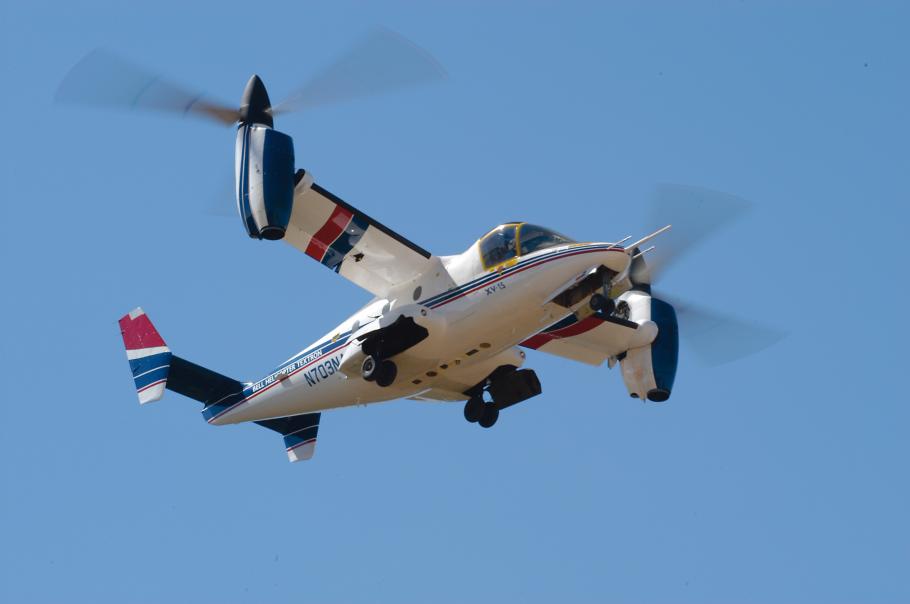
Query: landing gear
column 381, row 372
column 489, row 415
column 506, row 386
column 388, row 371
column 473, row 409
column 602, row 304
column 478, row 411
column 368, row 369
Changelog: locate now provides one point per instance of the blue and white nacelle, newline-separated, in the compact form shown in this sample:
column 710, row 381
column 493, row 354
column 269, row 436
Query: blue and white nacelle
column 649, row 369
column 264, row 167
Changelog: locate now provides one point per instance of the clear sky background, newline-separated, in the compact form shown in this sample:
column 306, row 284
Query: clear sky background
column 779, row 478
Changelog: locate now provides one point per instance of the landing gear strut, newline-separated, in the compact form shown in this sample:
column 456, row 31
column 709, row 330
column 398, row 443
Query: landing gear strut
column 381, row 372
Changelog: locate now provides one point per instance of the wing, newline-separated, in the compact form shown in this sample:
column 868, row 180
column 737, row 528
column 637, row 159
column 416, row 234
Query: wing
column 592, row 339
column 351, row 243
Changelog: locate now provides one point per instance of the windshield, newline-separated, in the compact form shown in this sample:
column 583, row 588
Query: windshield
column 508, row 241
column 499, row 245
column 533, row 238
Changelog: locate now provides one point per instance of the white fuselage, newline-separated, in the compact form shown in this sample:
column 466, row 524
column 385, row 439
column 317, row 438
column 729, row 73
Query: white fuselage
column 475, row 317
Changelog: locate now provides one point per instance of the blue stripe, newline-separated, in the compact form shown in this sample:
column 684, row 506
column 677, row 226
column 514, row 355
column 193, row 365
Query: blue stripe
column 214, row 410
column 153, row 361
column 152, row 376
column 150, row 369
column 298, row 438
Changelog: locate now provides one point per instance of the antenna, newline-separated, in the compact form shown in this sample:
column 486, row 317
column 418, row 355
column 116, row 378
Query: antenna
column 643, row 252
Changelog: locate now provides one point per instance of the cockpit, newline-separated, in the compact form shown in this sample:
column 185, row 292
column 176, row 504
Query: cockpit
column 514, row 239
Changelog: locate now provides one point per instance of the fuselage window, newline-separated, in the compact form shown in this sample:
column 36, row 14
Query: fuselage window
column 499, row 246
column 535, row 238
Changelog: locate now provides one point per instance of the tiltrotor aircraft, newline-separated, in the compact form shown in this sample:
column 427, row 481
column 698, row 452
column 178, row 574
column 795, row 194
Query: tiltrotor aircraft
column 438, row 328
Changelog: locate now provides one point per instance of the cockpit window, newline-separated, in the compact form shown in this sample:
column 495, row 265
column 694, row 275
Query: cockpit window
column 500, row 245
column 533, row 238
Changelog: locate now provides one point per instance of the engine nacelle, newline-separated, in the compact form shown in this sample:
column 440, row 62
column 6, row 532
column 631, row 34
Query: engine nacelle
column 264, row 167
column 649, row 370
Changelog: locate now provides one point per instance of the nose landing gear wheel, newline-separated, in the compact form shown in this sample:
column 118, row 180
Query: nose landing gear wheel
column 602, row 304
column 381, row 372
column 473, row 409
column 368, row 369
column 489, row 416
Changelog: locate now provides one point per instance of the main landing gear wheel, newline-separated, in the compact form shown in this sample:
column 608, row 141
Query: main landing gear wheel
column 387, row 373
column 602, row 304
column 473, row 409
column 381, row 372
column 489, row 415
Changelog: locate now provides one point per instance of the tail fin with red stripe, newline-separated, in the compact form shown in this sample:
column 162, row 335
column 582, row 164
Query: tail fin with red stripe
column 149, row 356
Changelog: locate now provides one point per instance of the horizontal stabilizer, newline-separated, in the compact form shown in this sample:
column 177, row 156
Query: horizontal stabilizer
column 299, row 433
column 217, row 392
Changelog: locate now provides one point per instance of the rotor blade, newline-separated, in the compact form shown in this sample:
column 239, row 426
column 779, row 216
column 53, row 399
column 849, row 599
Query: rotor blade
column 717, row 338
column 103, row 79
column 382, row 61
column 695, row 214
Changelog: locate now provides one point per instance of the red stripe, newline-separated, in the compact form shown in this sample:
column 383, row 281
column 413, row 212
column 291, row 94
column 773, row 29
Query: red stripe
column 139, row 333
column 306, row 442
column 575, row 329
column 329, row 232
column 537, row 341
column 144, row 388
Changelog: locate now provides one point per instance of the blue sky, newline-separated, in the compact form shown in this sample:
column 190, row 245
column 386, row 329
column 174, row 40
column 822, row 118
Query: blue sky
column 780, row 478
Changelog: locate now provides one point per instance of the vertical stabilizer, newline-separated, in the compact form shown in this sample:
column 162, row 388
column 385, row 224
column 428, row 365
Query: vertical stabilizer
column 149, row 357
column 299, row 432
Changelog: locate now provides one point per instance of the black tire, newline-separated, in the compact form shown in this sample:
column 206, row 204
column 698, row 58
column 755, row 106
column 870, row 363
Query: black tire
column 601, row 304
column 369, row 368
column 598, row 302
column 609, row 307
column 387, row 373
column 473, row 409
column 489, row 416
